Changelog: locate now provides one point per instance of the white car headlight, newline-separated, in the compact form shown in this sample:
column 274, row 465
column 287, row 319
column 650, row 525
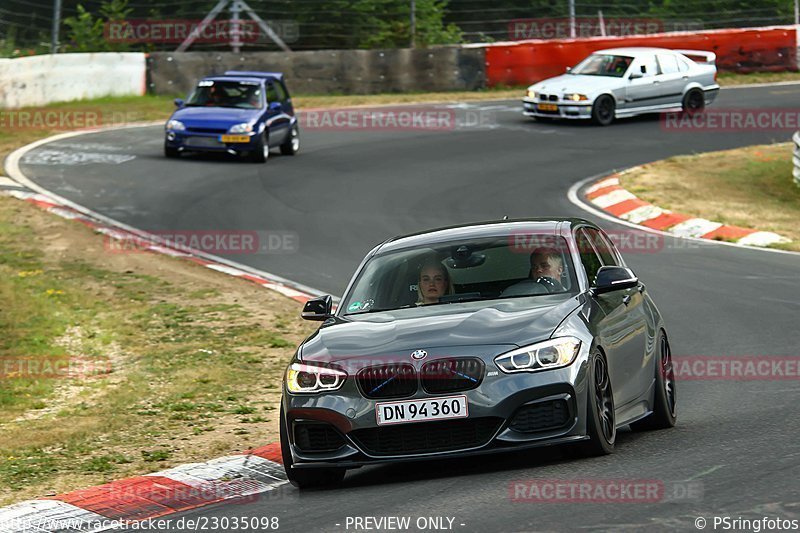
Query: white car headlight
column 305, row 378
column 575, row 97
column 547, row 355
column 241, row 128
column 175, row 125
column 533, row 94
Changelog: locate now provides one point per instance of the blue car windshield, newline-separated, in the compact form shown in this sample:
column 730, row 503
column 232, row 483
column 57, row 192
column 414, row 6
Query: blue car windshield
column 603, row 65
column 238, row 94
column 517, row 265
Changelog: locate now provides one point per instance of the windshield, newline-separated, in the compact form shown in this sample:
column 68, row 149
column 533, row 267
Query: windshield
column 603, row 65
column 483, row 269
column 239, row 94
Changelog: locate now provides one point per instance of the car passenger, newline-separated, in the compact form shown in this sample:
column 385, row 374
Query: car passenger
column 433, row 283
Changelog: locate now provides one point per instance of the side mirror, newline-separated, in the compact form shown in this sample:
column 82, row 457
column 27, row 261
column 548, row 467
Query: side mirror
column 275, row 106
column 179, row 102
column 614, row 278
column 318, row 308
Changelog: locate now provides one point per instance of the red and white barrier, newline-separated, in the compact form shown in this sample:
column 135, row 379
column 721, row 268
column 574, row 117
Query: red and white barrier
column 737, row 50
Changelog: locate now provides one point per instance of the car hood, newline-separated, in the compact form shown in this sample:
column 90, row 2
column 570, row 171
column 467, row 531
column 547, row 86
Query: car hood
column 214, row 116
column 577, row 83
column 394, row 335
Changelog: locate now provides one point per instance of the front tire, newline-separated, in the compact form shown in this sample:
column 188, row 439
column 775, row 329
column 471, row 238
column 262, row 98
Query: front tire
column 664, row 414
column 604, row 110
column 260, row 152
column 601, row 420
column 305, row 478
column 292, row 144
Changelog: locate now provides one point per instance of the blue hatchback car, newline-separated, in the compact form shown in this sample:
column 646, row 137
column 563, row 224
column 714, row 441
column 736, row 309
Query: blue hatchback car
column 240, row 113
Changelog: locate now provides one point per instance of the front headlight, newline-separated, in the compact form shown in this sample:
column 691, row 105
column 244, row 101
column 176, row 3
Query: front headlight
column 304, row 378
column 575, row 97
column 547, row 355
column 175, row 125
column 533, row 94
column 241, row 128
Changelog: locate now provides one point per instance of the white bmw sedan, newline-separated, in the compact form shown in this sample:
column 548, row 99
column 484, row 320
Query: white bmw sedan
column 622, row 82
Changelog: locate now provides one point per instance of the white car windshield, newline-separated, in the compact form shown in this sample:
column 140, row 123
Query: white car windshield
column 603, row 65
column 462, row 271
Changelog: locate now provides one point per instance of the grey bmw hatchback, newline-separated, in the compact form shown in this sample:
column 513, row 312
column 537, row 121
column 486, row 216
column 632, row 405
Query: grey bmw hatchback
column 476, row 339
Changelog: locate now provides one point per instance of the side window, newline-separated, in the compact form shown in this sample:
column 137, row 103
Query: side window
column 280, row 92
column 668, row 63
column 589, row 259
column 647, row 65
column 272, row 94
column 603, row 247
column 683, row 65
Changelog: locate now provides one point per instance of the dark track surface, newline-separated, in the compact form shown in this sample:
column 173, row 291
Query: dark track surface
column 347, row 191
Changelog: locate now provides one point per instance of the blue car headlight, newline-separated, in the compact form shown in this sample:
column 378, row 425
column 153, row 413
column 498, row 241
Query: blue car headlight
column 244, row 127
column 175, row 125
column 547, row 355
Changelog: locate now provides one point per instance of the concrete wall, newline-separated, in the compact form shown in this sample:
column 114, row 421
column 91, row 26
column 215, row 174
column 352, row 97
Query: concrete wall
column 40, row 80
column 330, row 71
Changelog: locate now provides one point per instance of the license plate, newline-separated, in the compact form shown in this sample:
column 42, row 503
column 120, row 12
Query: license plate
column 235, row 138
column 207, row 142
column 548, row 107
column 421, row 410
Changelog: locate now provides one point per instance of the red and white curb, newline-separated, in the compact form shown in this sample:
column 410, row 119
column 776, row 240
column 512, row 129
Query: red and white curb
column 608, row 195
column 124, row 501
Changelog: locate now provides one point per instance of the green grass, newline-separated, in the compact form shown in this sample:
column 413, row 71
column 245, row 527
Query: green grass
column 186, row 362
column 749, row 187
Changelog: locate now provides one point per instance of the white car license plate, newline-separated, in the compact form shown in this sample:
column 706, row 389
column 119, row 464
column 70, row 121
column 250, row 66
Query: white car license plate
column 421, row 410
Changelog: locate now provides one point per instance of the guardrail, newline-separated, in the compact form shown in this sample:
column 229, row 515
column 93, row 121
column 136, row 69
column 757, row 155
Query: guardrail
column 796, row 158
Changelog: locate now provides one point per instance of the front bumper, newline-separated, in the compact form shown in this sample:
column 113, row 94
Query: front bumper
column 190, row 141
column 563, row 109
column 500, row 397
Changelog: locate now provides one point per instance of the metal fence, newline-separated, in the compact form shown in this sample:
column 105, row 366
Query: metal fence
column 796, row 158
column 155, row 25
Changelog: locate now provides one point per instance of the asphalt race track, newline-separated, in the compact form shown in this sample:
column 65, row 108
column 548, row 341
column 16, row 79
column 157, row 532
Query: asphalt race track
column 736, row 441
